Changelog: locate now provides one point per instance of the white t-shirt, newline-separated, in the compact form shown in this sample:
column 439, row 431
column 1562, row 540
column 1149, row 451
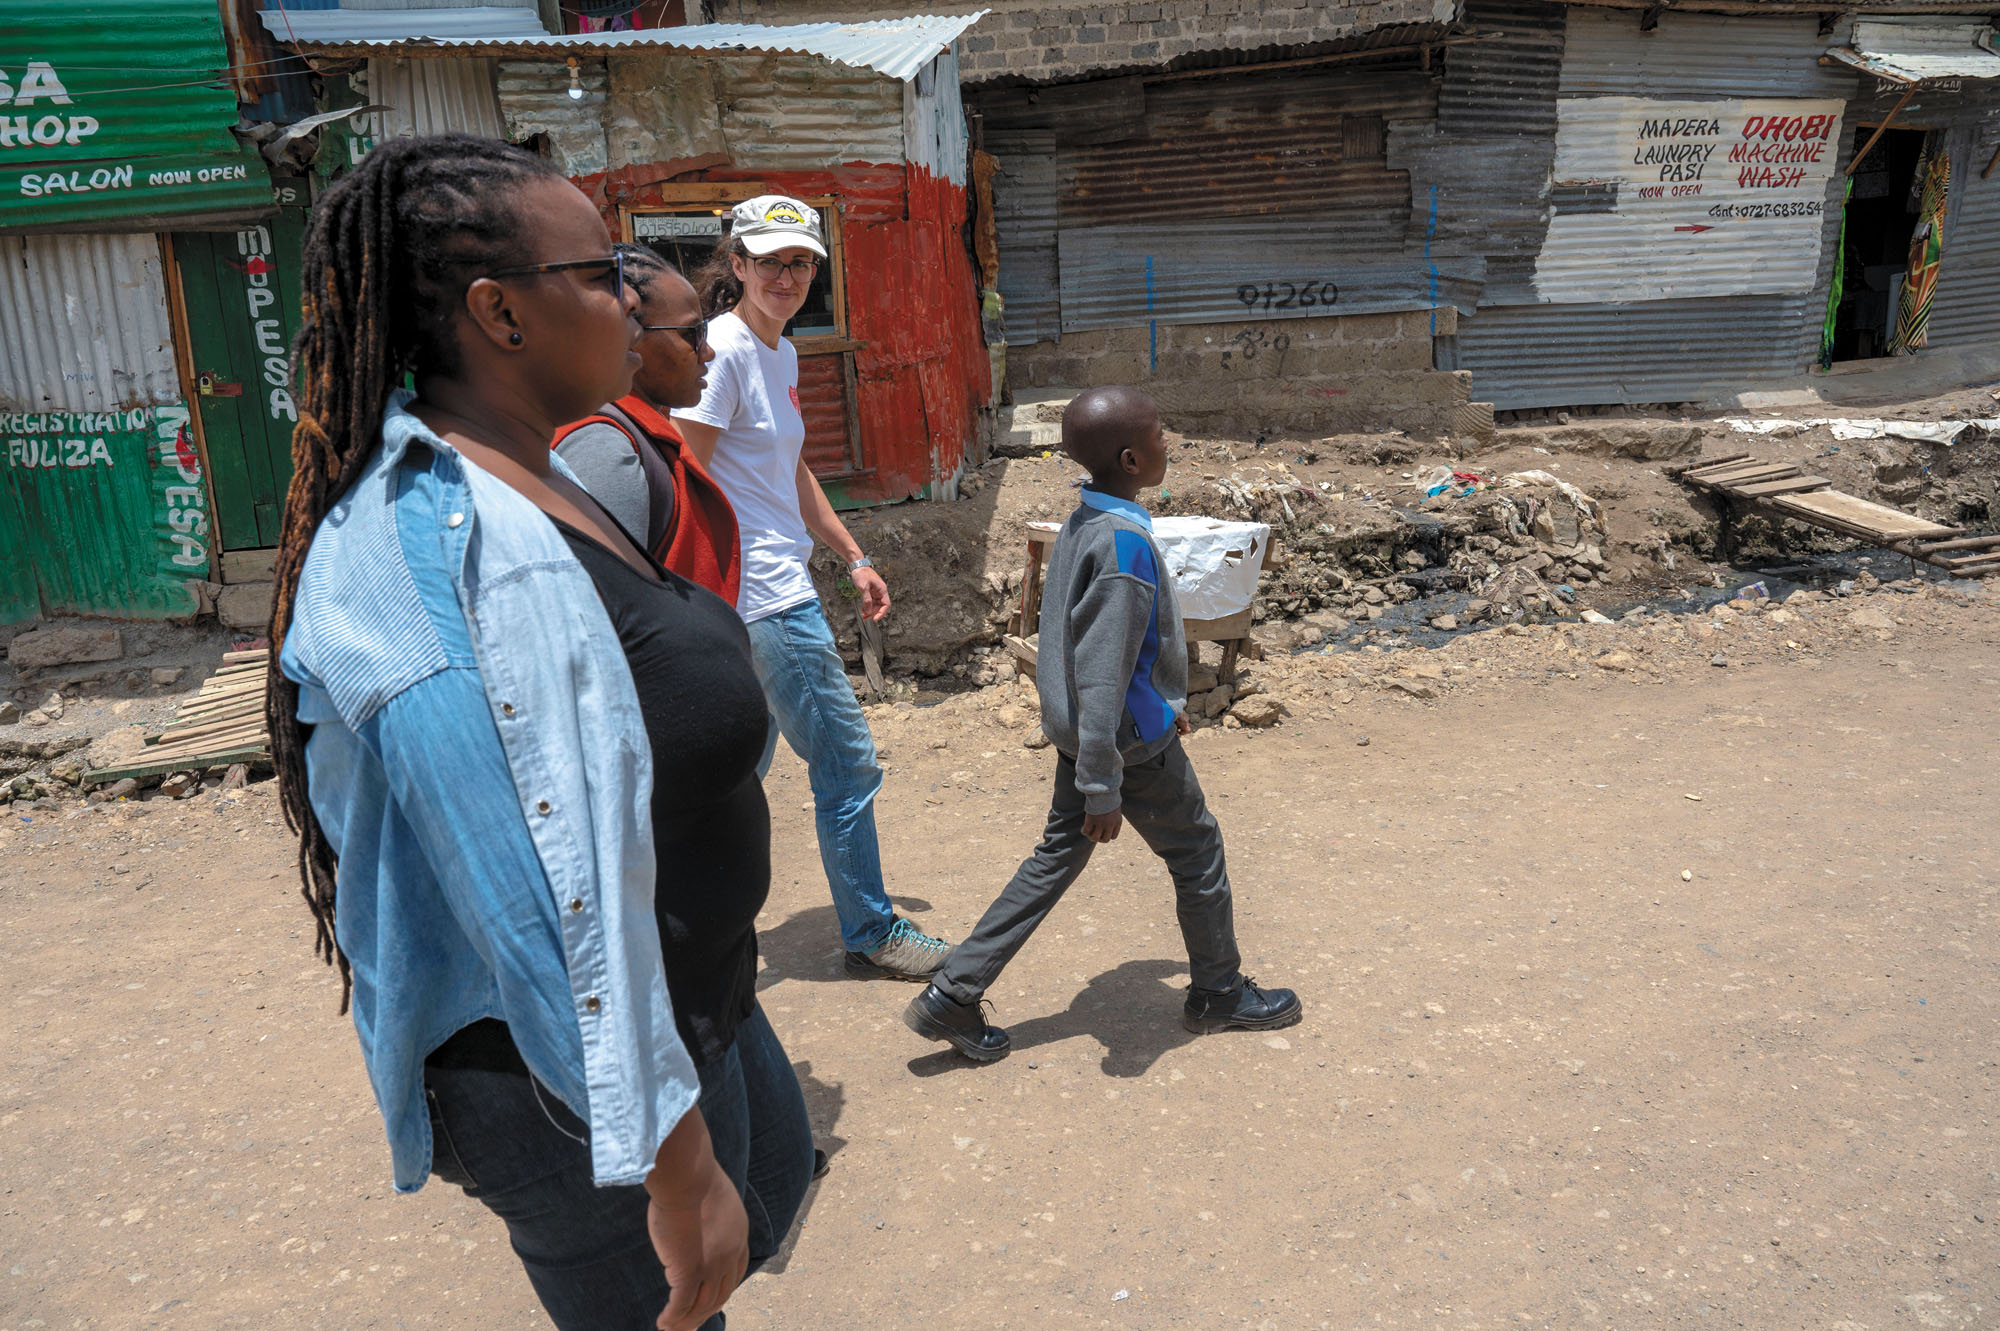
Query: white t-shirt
column 752, row 396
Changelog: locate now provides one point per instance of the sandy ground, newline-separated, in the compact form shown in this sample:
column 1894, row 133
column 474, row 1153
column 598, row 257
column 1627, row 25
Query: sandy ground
column 1543, row 1080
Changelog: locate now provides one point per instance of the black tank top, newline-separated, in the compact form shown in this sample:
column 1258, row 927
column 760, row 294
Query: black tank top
column 706, row 718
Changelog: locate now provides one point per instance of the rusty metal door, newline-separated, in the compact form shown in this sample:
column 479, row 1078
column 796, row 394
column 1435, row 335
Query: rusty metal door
column 241, row 292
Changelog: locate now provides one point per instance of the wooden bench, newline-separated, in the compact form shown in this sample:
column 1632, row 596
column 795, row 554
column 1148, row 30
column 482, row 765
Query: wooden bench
column 1232, row 631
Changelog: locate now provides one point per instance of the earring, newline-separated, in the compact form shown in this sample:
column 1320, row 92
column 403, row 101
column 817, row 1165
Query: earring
column 514, row 339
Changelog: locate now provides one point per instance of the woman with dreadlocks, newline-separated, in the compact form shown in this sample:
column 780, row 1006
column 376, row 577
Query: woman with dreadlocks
column 473, row 773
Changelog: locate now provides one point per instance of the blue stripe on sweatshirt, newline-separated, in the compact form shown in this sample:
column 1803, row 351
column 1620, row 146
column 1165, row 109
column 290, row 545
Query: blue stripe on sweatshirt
column 1150, row 714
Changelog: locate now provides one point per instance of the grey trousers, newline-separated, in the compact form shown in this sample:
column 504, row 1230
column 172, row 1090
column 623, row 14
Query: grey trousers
column 1163, row 803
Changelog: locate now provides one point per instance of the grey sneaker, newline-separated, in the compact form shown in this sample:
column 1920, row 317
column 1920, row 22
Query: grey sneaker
column 908, row 953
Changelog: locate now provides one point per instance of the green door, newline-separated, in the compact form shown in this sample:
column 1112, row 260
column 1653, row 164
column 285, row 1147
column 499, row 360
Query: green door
column 242, row 295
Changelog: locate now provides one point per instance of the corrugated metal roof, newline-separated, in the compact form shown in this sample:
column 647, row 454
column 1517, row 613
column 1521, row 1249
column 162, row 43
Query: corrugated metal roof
column 896, row 48
column 86, row 321
column 1918, row 50
column 330, row 26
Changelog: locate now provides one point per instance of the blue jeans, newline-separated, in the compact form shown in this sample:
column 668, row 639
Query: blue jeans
column 503, row 1138
column 814, row 706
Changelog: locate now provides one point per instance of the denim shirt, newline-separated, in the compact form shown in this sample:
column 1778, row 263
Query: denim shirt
column 481, row 769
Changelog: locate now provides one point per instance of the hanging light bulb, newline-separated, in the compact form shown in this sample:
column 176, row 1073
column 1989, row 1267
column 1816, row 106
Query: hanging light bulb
column 575, row 81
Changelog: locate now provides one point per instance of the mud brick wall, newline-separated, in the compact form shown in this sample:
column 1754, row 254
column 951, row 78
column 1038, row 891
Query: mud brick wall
column 1038, row 43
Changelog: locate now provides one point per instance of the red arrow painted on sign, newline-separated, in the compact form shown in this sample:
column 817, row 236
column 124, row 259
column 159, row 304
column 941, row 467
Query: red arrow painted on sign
column 1697, row 230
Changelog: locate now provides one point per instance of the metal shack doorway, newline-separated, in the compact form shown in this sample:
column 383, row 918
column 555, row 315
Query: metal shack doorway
column 238, row 299
column 1881, row 218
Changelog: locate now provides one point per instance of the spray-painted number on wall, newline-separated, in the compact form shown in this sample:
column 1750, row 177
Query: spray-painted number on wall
column 1250, row 343
column 1287, row 295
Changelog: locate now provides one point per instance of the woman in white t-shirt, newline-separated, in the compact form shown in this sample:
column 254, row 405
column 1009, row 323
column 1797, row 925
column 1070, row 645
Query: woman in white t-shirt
column 748, row 432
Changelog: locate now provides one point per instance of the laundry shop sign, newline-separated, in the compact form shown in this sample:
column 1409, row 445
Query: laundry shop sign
column 118, row 112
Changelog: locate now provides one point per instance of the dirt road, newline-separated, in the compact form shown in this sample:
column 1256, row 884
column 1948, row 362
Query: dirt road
column 1543, row 1079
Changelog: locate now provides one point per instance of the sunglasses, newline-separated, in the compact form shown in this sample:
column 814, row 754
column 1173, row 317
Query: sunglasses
column 694, row 334
column 614, row 261
column 802, row 270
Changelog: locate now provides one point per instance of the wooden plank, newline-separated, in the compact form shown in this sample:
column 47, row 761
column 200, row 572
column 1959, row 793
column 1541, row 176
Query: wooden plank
column 249, row 565
column 1703, row 464
column 1747, row 475
column 1877, row 520
column 1709, row 475
column 247, row 753
column 1984, row 564
column 261, row 655
column 1792, row 485
column 1218, row 630
column 1963, row 543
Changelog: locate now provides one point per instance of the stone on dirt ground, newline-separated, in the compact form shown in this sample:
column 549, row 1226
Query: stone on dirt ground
column 41, row 649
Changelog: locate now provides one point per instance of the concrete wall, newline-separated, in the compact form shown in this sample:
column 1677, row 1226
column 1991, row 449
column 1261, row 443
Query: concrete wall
column 1295, row 377
column 1043, row 42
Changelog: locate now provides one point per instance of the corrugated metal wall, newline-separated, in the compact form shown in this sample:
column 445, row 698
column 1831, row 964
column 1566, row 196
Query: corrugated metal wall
column 1255, row 195
column 1025, row 194
column 1525, row 353
column 1483, row 168
column 1967, row 307
column 435, row 96
column 98, row 515
column 934, row 135
column 797, row 113
column 86, row 324
column 1697, row 56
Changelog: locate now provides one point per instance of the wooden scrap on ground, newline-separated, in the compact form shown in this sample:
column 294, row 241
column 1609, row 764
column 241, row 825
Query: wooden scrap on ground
column 1788, row 491
column 221, row 724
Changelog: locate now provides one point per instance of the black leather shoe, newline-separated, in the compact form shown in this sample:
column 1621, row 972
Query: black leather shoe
column 1244, row 1008
column 961, row 1025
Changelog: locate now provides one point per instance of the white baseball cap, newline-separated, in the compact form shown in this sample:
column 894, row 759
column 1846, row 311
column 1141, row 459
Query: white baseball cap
column 772, row 222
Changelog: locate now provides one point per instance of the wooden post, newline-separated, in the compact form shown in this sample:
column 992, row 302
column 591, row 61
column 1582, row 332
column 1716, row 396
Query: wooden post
column 1882, row 128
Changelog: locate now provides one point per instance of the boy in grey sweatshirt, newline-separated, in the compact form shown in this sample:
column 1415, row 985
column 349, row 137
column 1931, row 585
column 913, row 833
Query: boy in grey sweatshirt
column 1111, row 669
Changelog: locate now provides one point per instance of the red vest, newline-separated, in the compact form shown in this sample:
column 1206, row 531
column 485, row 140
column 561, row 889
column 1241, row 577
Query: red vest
column 691, row 528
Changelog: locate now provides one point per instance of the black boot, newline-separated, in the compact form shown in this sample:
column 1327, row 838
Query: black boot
column 935, row 1016
column 1244, row 1008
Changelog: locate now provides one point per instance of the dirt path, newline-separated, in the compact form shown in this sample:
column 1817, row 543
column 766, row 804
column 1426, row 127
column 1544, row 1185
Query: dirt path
column 1543, row 1081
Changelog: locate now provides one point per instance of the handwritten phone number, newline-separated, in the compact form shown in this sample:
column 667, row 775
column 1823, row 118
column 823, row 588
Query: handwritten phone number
column 1748, row 211
column 1287, row 295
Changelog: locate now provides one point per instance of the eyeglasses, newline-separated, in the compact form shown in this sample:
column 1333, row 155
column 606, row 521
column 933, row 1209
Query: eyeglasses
column 694, row 333
column 614, row 261
column 802, row 270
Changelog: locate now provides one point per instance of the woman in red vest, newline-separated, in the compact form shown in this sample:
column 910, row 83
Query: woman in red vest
column 630, row 456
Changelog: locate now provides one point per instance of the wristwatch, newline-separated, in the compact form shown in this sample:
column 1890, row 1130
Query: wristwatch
column 863, row 562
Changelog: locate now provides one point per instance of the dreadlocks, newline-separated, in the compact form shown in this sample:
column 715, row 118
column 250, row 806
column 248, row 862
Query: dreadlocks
column 644, row 267
column 388, row 256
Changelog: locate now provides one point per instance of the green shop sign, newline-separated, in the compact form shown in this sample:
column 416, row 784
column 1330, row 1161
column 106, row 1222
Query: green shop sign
column 111, row 513
column 119, row 111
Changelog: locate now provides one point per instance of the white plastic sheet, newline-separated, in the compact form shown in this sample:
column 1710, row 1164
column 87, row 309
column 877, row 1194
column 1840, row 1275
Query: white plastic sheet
column 1936, row 432
column 1214, row 563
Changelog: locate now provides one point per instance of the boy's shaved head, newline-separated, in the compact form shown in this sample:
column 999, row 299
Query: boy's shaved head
column 1102, row 423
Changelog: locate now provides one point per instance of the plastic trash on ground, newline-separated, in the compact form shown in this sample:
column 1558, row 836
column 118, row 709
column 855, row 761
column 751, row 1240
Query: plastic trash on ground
column 1215, row 563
